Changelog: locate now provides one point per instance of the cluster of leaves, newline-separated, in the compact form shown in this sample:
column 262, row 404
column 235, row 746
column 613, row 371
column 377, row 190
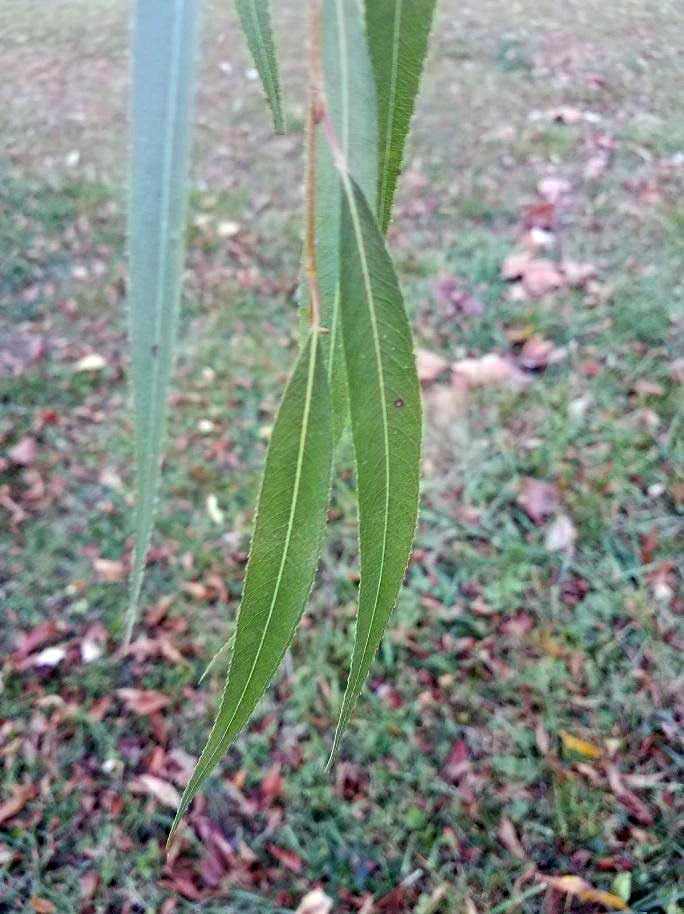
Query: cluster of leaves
column 356, row 364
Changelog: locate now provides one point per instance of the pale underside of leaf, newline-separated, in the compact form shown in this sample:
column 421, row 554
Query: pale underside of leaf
column 385, row 407
column 255, row 17
column 164, row 52
column 398, row 33
column 350, row 100
column 284, row 554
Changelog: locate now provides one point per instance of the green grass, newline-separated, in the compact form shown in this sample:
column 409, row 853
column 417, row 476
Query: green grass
column 495, row 637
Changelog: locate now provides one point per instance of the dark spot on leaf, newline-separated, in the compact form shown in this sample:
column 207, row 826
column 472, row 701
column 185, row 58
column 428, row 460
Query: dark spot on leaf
column 399, row 402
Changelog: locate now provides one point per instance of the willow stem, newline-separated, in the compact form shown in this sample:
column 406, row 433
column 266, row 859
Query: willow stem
column 315, row 115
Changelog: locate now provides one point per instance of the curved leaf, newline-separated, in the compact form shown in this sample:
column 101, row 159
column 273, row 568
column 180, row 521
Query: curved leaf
column 384, row 396
column 255, row 16
column 165, row 44
column 398, row 32
column 350, row 96
column 284, row 553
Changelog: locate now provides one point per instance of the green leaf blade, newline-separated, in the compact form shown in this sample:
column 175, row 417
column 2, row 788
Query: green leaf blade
column 398, row 34
column 164, row 59
column 350, row 97
column 386, row 422
column 284, row 554
column 255, row 17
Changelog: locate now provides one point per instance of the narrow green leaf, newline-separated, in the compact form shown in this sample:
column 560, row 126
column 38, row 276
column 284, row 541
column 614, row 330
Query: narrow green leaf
column 284, row 554
column 384, row 396
column 164, row 52
column 255, row 16
column 398, row 33
column 350, row 97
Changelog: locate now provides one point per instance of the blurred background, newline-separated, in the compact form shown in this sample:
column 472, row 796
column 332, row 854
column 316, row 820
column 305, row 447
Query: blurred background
column 524, row 717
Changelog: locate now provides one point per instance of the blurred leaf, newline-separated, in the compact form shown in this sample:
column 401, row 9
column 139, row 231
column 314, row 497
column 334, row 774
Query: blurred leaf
column 255, row 16
column 398, row 32
column 580, row 746
column 283, row 556
column 164, row 51
column 384, row 395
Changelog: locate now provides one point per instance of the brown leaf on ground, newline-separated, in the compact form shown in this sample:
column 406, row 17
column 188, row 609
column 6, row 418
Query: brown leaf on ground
column 554, row 189
column 19, row 352
column 491, row 368
column 37, row 637
column 538, row 499
column 627, row 797
column 143, row 701
column 24, row 453
column 536, row 353
column 42, row 905
column 509, row 838
column 160, row 790
column 561, row 535
column 287, row 858
column 430, row 365
column 110, row 570
column 541, row 277
column 578, row 888
column 577, row 274
column 23, row 794
column 315, row 902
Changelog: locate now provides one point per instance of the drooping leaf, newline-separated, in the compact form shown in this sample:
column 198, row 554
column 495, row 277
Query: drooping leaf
column 398, row 32
column 350, row 96
column 284, row 552
column 384, row 396
column 255, row 16
column 164, row 52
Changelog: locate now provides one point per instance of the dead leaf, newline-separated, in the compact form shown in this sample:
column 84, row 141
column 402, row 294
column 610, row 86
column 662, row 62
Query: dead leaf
column 577, row 275
column 580, row 746
column 93, row 362
column 540, row 277
column 509, row 838
column 577, row 887
column 36, row 638
column 18, row 352
column 538, row 499
column 315, row 902
column 536, row 353
column 42, row 905
column 155, row 787
column 627, row 797
column 430, row 365
column 553, row 189
column 23, row 794
column 514, row 266
column 288, row 858
column 110, row 570
column 143, row 701
column 24, row 452
column 488, row 369
column 561, row 535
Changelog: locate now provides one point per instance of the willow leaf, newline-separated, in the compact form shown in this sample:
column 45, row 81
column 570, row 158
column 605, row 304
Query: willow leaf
column 384, row 396
column 255, row 16
column 164, row 51
column 350, row 97
column 398, row 33
column 284, row 553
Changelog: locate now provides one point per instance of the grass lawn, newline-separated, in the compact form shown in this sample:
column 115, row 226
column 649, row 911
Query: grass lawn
column 525, row 716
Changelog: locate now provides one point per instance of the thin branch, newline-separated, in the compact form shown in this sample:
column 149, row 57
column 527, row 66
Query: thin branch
column 316, row 108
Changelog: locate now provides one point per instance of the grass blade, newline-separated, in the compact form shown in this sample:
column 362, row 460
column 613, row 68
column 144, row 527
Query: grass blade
column 398, row 32
column 255, row 16
column 350, row 96
column 384, row 396
column 164, row 52
column 284, row 553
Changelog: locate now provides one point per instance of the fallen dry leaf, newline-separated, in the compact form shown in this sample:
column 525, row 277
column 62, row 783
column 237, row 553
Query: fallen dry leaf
column 540, row 277
column 538, row 499
column 143, row 701
column 536, row 353
column 561, row 535
column 577, row 275
column 509, row 838
column 23, row 793
column 488, row 369
column 155, row 787
column 110, row 570
column 42, row 905
column 24, row 452
column 577, row 887
column 580, row 746
column 315, row 902
column 430, row 365
column 288, row 858
column 553, row 189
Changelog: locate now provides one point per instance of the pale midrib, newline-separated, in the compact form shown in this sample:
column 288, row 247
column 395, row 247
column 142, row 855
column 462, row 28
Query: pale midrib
column 150, row 473
column 352, row 686
column 197, row 776
column 386, row 174
column 272, row 88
